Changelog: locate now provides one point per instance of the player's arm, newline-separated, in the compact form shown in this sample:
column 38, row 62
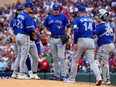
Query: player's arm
column 76, row 32
column 96, row 32
column 10, row 28
column 11, row 31
column 68, row 26
column 30, row 25
column 45, row 28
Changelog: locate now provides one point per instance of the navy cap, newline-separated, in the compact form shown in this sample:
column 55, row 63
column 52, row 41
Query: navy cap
column 56, row 6
column 19, row 7
column 82, row 8
column 29, row 4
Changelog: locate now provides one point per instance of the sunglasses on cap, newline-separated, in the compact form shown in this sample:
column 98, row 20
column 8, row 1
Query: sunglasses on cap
column 19, row 10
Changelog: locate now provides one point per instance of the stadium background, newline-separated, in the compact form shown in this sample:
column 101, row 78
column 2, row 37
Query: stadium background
column 8, row 56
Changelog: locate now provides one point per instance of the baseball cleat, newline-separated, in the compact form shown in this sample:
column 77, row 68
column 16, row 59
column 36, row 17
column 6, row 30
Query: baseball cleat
column 31, row 75
column 62, row 78
column 106, row 82
column 99, row 82
column 14, row 76
column 68, row 80
column 23, row 77
column 54, row 78
column 36, row 77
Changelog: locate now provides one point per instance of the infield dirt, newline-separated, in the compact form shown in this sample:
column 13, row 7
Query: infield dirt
column 45, row 83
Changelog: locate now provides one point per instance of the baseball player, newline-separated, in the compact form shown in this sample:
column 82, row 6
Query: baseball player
column 13, row 25
column 54, row 26
column 37, row 42
column 83, row 44
column 105, row 40
column 26, row 28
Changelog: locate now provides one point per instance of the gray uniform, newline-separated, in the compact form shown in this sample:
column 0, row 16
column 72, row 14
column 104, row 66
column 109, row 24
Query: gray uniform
column 104, row 53
column 25, row 47
column 57, row 51
column 86, row 46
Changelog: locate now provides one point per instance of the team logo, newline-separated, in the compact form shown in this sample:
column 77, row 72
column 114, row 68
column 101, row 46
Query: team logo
column 59, row 26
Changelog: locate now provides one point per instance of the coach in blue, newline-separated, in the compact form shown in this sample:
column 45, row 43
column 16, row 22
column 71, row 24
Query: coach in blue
column 54, row 26
column 83, row 44
column 26, row 27
column 105, row 35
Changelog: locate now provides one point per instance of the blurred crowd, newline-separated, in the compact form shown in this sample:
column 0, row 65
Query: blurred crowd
column 44, row 8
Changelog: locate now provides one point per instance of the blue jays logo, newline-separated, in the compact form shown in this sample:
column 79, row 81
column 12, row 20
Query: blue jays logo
column 59, row 26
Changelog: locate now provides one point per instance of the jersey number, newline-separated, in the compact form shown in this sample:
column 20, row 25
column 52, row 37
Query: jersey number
column 109, row 31
column 88, row 26
column 19, row 24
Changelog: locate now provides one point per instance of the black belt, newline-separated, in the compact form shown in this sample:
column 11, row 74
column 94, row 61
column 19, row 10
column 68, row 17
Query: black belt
column 56, row 36
column 86, row 37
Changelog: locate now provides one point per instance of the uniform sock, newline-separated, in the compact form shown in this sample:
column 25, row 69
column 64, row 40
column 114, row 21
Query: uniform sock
column 28, row 63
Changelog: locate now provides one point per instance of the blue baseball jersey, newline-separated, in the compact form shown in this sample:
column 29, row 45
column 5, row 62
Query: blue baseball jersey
column 83, row 27
column 13, row 24
column 56, row 24
column 105, row 33
column 25, row 23
column 37, row 42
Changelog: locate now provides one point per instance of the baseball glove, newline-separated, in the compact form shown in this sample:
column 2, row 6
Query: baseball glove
column 64, row 39
column 33, row 37
column 13, row 39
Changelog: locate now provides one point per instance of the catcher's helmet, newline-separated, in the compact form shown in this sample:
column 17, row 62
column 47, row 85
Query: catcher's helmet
column 102, row 13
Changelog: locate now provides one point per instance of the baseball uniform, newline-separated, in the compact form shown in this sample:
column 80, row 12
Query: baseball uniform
column 83, row 38
column 57, row 25
column 105, row 33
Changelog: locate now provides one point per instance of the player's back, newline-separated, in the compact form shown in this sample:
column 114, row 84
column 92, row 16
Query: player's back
column 25, row 23
column 105, row 32
column 13, row 25
column 86, row 26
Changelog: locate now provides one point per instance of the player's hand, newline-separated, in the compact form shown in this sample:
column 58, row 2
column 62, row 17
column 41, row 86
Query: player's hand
column 95, row 37
column 75, row 47
column 36, row 31
column 48, row 33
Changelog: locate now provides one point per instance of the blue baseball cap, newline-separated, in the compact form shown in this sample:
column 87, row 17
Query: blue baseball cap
column 82, row 8
column 56, row 6
column 19, row 7
column 29, row 4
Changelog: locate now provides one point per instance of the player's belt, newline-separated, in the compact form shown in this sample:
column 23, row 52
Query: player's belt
column 56, row 36
column 86, row 37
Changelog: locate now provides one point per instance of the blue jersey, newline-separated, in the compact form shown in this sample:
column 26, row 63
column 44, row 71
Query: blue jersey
column 56, row 24
column 25, row 23
column 105, row 33
column 13, row 24
column 83, row 27
column 38, row 39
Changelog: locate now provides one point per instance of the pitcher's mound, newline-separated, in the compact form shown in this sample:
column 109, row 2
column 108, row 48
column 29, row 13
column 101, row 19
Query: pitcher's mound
column 44, row 83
